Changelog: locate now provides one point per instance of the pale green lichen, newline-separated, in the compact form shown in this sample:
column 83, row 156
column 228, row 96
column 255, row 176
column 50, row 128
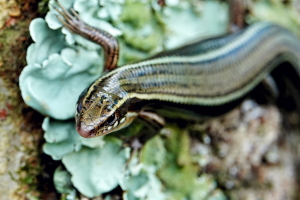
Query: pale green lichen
column 185, row 23
column 62, row 180
column 97, row 170
column 175, row 166
column 142, row 183
column 62, row 139
column 275, row 11
column 49, row 83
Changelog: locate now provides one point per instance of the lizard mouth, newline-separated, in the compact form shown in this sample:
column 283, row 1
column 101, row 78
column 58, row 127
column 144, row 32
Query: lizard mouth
column 87, row 131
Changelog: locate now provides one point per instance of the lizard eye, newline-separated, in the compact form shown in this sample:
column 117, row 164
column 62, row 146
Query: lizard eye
column 111, row 120
column 79, row 107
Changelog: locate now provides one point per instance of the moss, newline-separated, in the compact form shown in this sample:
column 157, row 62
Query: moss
column 21, row 125
column 136, row 13
column 129, row 54
column 146, row 43
column 140, row 28
column 178, row 172
column 43, row 7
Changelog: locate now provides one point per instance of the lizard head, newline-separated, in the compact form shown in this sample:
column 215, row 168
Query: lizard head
column 101, row 113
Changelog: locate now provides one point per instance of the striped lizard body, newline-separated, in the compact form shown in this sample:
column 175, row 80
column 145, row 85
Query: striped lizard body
column 206, row 73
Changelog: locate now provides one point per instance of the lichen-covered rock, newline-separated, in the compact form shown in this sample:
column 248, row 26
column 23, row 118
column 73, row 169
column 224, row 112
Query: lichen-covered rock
column 174, row 165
